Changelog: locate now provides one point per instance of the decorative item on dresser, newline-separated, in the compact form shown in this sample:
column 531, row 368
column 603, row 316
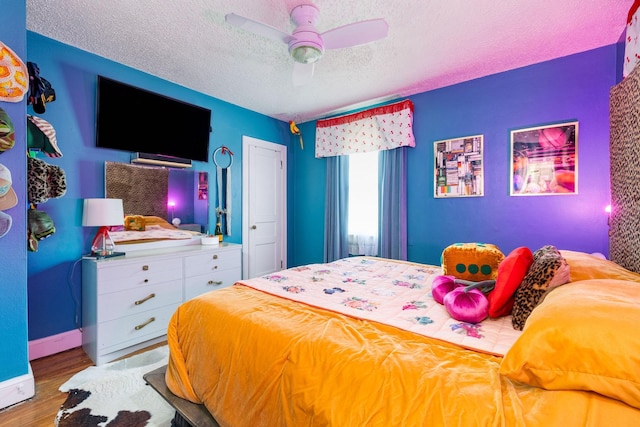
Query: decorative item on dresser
column 127, row 301
column 102, row 213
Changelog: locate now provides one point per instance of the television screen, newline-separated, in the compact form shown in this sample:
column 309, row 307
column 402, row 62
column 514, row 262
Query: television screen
column 137, row 120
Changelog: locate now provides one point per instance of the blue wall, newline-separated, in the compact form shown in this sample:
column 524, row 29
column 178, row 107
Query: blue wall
column 14, row 359
column 54, row 270
column 570, row 88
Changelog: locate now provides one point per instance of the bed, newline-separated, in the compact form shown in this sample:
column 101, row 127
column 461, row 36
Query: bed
column 305, row 346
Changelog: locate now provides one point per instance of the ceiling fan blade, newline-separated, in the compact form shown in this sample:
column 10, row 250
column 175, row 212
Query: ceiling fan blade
column 258, row 28
column 302, row 73
column 355, row 34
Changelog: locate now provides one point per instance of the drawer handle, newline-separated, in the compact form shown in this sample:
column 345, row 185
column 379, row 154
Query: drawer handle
column 145, row 299
column 214, row 282
column 145, row 267
column 215, row 256
column 153, row 319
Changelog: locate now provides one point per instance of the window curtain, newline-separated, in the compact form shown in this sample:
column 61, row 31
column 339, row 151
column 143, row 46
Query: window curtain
column 336, row 239
column 376, row 129
column 392, row 214
column 386, row 129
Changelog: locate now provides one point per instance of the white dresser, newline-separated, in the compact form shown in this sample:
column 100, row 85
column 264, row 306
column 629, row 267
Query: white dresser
column 127, row 301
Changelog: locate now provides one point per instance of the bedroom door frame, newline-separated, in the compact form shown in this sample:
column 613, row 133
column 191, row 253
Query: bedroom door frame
column 263, row 235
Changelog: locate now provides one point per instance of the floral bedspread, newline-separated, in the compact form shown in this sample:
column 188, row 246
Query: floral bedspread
column 391, row 292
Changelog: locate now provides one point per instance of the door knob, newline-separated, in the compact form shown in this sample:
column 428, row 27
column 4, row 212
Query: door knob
column 253, row 227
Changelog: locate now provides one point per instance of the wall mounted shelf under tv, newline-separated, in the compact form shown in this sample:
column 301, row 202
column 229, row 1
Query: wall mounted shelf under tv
column 154, row 159
column 140, row 121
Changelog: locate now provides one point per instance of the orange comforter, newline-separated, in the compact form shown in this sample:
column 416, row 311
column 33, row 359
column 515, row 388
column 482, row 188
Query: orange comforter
column 255, row 359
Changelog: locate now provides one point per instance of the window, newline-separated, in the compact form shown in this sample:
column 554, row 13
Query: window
column 363, row 204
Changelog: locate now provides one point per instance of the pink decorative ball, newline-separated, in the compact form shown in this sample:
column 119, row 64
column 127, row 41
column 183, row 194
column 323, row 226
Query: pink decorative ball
column 441, row 286
column 471, row 306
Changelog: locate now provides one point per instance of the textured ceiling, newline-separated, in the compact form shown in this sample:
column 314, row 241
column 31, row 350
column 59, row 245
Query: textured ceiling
column 431, row 44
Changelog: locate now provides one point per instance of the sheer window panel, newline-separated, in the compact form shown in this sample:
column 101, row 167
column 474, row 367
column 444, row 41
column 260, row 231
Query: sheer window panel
column 363, row 204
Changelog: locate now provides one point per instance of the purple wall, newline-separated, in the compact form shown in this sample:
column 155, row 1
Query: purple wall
column 14, row 360
column 570, row 88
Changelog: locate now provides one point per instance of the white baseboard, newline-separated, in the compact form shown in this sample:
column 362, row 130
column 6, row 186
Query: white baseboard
column 54, row 344
column 17, row 389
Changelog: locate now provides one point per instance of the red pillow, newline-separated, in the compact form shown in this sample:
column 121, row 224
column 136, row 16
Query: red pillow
column 511, row 273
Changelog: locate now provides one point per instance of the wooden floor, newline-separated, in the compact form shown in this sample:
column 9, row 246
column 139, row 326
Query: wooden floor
column 49, row 373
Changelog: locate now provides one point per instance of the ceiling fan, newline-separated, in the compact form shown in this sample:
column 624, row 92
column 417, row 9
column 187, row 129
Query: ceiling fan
column 306, row 44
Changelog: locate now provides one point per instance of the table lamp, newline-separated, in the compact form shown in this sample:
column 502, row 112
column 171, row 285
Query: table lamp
column 103, row 213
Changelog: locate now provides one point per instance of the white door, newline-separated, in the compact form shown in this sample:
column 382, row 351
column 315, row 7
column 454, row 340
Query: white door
column 264, row 195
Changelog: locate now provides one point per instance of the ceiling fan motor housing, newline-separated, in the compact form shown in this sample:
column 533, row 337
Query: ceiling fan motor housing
column 306, row 44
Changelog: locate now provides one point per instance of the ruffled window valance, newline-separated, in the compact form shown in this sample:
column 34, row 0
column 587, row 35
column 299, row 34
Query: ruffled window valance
column 381, row 128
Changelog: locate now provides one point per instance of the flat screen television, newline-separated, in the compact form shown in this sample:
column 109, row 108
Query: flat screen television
column 136, row 120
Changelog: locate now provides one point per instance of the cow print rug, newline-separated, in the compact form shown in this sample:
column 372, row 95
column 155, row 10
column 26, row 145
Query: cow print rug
column 116, row 395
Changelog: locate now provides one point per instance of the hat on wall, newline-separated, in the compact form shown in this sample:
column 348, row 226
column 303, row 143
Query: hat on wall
column 14, row 78
column 5, row 223
column 44, row 181
column 42, row 135
column 40, row 224
column 7, row 137
column 8, row 198
column 40, row 90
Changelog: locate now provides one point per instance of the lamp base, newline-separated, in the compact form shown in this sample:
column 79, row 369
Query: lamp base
column 100, row 256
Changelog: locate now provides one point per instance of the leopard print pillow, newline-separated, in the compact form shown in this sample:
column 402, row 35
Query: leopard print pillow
column 549, row 270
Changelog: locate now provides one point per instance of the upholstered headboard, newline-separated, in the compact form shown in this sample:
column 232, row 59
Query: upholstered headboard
column 624, row 231
column 143, row 190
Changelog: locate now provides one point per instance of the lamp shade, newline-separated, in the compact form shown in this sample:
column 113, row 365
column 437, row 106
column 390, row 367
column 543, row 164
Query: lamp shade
column 100, row 212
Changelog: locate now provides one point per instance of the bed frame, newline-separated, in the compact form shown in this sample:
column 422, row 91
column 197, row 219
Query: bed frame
column 187, row 414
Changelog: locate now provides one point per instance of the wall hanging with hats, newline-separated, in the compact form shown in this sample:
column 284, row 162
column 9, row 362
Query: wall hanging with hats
column 41, row 136
column 8, row 197
column 40, row 90
column 44, row 182
column 13, row 76
column 39, row 227
column 7, row 134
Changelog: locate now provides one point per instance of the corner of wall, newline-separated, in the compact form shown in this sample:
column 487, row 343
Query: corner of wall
column 17, row 389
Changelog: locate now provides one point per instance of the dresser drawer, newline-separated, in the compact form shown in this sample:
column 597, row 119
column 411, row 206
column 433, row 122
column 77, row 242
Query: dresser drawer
column 159, row 280
column 130, row 330
column 196, row 285
column 130, row 275
column 212, row 262
column 139, row 299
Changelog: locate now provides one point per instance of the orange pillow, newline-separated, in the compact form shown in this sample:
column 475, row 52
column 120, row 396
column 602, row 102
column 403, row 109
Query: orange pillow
column 583, row 336
column 511, row 272
column 471, row 261
column 134, row 223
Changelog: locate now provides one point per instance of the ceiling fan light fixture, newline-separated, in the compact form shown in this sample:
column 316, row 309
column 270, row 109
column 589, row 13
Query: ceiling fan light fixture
column 305, row 54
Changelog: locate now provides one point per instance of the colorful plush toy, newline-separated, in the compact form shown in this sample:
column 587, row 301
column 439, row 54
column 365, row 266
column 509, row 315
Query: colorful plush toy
column 441, row 286
column 464, row 300
column 472, row 261
column 469, row 306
